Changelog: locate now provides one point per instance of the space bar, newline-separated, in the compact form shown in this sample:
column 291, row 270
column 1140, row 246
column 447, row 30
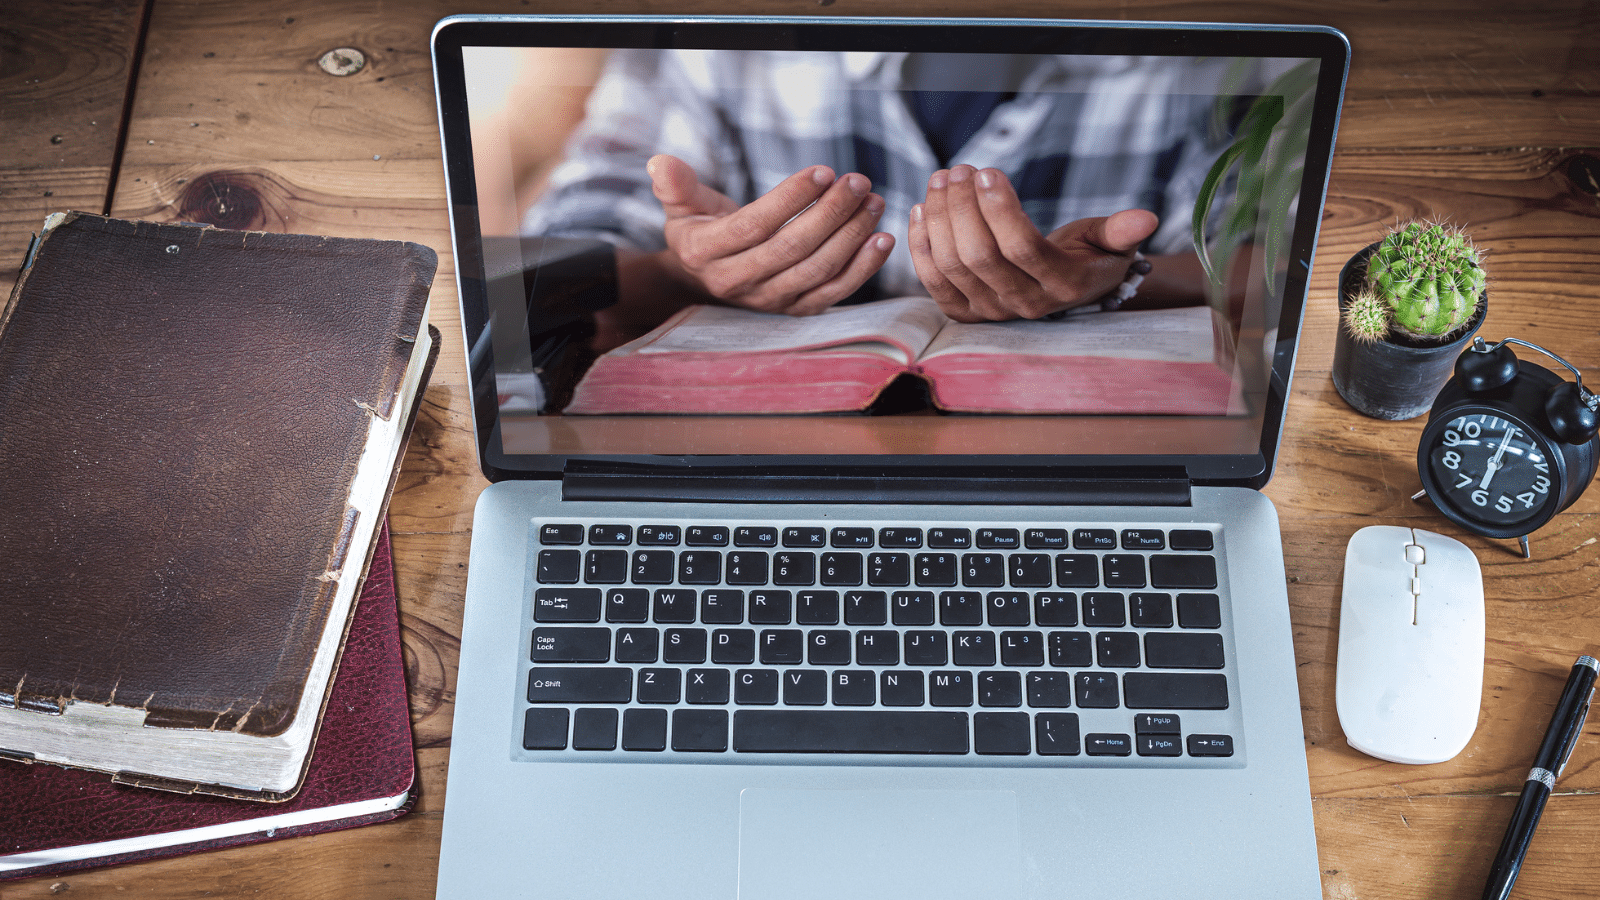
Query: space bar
column 848, row 731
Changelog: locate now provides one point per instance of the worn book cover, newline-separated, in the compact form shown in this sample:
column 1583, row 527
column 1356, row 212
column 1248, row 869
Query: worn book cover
column 724, row 360
column 361, row 771
column 202, row 429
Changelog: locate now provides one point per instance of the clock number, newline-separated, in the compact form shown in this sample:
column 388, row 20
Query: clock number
column 1452, row 460
column 1473, row 429
column 1465, row 480
column 1480, row 497
column 1527, row 499
column 1503, row 504
column 1540, row 464
column 1541, row 484
column 1451, row 438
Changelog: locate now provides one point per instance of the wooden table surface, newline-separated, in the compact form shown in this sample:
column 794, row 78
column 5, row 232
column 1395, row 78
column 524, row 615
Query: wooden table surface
column 1482, row 113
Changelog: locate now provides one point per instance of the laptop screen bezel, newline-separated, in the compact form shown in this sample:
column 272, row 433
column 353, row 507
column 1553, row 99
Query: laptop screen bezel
column 1252, row 470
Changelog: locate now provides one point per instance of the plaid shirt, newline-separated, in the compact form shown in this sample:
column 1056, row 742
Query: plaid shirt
column 1081, row 137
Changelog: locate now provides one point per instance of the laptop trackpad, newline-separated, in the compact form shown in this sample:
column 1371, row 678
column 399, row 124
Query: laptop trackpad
column 872, row 844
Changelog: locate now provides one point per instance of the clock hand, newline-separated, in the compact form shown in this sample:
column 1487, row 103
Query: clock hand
column 1493, row 465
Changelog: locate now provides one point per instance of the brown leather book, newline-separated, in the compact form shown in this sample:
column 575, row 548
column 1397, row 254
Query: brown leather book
column 200, row 432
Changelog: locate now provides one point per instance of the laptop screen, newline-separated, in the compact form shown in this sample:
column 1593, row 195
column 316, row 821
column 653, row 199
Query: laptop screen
column 893, row 241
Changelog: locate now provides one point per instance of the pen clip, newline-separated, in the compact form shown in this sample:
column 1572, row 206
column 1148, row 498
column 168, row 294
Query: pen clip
column 1572, row 739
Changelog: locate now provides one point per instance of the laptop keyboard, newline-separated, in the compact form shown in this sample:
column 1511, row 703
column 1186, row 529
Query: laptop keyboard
column 739, row 641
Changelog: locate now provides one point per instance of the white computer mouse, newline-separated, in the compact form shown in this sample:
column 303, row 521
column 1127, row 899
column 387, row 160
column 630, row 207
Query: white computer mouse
column 1410, row 669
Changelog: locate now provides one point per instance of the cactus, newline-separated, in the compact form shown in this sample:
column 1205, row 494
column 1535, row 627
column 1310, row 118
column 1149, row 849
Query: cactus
column 1430, row 279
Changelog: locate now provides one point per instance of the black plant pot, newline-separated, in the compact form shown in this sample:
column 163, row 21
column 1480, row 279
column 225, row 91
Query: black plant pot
column 1394, row 378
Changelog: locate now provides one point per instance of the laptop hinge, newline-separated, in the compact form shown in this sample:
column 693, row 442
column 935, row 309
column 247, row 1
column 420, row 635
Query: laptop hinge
column 860, row 487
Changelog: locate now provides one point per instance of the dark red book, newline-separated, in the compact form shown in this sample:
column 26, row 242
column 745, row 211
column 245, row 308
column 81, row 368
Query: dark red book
column 362, row 770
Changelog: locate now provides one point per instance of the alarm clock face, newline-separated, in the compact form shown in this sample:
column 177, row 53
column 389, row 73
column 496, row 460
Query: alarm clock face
column 1493, row 470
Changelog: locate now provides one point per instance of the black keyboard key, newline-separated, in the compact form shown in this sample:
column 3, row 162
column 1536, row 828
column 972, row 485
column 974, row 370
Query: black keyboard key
column 1107, row 744
column 684, row 646
column 828, row 647
column 700, row 566
column 849, row 731
column 999, row 539
column 627, row 605
column 644, row 729
column 999, row 688
column 983, row 570
column 592, row 645
column 1077, row 570
column 1150, row 610
column 755, row 687
column 1173, row 571
column 1070, row 649
column 794, row 568
column 1052, row 610
column 1104, row 610
column 1021, row 648
column 707, row 686
column 1190, row 539
column 674, row 606
column 973, row 648
column 783, row 646
column 927, row 648
column 805, row 687
column 659, row 536
column 1056, row 734
column 652, row 566
column 1143, row 539
column 841, row 569
column 900, row 538
column 900, row 688
column 1123, row 570
column 551, row 684
column 566, row 605
column 912, row 608
column 1049, row 690
column 877, row 648
column 888, row 569
column 1183, row 651
column 851, row 538
column 1001, row 733
column 1029, row 570
column 618, row 535
column 936, row 569
column 1045, row 539
column 661, row 686
column 1095, row 690
column 1171, row 690
column 1157, row 723
column 950, row 688
column 606, row 567
column 1094, row 539
column 771, row 607
column 559, row 566
column 817, row 608
column 700, row 730
column 722, row 607
column 747, row 567
column 949, row 538
column 1199, row 611
column 544, row 729
column 854, row 687
column 594, row 729
column 567, row 533
column 733, row 646
column 1006, row 608
column 866, row 608
column 1159, row 745
column 960, row 608
column 805, row 538
column 753, row 536
column 637, row 645
column 706, row 536
column 1210, row 745
column 1117, row 650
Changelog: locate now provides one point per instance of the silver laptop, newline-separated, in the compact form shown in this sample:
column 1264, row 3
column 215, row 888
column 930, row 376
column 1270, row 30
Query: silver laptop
column 875, row 507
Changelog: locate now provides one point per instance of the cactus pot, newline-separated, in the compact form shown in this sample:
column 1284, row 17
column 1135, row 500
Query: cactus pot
column 1394, row 378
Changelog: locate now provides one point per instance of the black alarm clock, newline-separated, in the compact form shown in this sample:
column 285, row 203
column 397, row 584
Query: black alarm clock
column 1508, row 444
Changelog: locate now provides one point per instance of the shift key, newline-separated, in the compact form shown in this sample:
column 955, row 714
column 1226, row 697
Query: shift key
column 585, row 684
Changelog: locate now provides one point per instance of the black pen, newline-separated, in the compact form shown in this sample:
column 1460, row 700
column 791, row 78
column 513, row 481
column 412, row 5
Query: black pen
column 1565, row 726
